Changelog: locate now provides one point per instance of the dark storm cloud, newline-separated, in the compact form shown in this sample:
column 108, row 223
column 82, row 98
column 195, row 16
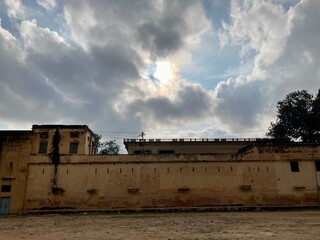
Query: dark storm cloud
column 23, row 91
column 192, row 102
column 112, row 60
column 239, row 102
column 161, row 40
column 113, row 65
column 160, row 27
column 167, row 33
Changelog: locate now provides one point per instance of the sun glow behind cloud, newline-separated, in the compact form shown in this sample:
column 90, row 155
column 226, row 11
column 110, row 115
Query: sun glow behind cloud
column 163, row 72
column 160, row 78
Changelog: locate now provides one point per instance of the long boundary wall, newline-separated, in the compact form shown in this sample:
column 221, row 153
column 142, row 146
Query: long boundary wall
column 255, row 177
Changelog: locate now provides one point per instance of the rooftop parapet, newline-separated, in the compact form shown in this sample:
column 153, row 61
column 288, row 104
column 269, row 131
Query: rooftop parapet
column 133, row 140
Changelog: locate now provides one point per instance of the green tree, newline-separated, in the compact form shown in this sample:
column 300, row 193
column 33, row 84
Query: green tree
column 109, row 147
column 298, row 118
column 316, row 117
column 106, row 147
column 96, row 144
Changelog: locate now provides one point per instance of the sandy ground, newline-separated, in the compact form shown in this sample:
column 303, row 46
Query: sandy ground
column 190, row 225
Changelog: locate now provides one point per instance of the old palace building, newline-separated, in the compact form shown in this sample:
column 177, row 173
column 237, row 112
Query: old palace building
column 53, row 167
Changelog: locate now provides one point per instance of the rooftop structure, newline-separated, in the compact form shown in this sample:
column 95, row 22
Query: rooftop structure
column 73, row 139
column 188, row 145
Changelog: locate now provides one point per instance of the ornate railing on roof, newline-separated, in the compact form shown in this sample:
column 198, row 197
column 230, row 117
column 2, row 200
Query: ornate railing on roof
column 197, row 140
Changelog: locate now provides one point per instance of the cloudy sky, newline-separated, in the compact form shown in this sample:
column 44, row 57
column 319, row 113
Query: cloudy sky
column 209, row 68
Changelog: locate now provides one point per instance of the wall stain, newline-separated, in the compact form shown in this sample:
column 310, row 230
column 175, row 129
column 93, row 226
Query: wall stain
column 55, row 159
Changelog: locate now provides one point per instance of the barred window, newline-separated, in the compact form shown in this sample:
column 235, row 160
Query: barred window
column 6, row 188
column 294, row 166
column 43, row 147
column 74, row 134
column 73, row 148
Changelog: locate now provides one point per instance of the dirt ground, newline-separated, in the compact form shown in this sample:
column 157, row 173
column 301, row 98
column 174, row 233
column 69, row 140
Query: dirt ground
column 189, row 225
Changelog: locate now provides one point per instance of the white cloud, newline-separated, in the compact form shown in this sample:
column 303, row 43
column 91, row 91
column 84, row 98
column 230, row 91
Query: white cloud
column 41, row 40
column 94, row 81
column 47, row 4
column 95, row 76
column 16, row 9
column 260, row 27
column 148, row 33
column 239, row 103
column 7, row 39
column 283, row 46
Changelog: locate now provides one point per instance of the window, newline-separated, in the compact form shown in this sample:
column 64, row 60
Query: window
column 142, row 152
column 10, row 167
column 166, row 152
column 73, row 148
column 44, row 135
column 294, row 166
column 6, row 188
column 43, row 147
column 74, row 134
column 317, row 163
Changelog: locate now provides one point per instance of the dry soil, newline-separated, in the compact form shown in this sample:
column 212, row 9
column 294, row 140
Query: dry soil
column 190, row 225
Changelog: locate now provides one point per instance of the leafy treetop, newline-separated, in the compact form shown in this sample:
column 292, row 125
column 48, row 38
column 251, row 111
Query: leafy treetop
column 298, row 118
column 104, row 148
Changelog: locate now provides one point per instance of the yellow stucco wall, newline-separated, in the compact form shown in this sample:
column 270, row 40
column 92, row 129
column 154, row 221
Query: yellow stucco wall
column 253, row 176
column 14, row 158
column 84, row 140
column 257, row 177
column 18, row 147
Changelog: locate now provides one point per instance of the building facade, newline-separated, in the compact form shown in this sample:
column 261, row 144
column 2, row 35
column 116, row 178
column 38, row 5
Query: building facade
column 17, row 148
column 229, row 173
column 187, row 145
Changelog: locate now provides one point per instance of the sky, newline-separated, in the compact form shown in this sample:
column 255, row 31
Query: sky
column 170, row 68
